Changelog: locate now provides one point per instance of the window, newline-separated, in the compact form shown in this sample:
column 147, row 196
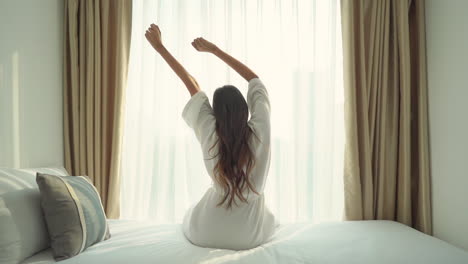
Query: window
column 295, row 48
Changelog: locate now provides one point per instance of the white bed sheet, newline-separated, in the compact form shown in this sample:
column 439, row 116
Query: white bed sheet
column 362, row 242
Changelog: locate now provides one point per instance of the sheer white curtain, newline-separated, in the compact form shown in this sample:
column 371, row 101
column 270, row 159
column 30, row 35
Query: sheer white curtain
column 295, row 48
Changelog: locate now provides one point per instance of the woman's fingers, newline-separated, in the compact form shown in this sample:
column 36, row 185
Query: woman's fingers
column 148, row 35
column 199, row 43
column 154, row 29
column 195, row 42
column 195, row 46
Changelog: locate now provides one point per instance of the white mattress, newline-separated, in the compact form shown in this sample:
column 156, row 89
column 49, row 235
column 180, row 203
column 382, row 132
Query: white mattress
column 343, row 242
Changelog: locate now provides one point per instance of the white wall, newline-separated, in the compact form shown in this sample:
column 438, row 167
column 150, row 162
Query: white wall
column 447, row 53
column 31, row 83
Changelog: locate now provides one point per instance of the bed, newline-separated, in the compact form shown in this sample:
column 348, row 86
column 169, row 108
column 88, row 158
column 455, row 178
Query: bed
column 140, row 242
column 338, row 242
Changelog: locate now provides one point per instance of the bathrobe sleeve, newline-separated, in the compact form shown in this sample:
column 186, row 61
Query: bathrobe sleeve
column 198, row 115
column 259, row 106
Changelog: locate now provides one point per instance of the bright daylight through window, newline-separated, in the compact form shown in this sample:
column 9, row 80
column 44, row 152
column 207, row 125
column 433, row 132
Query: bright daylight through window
column 294, row 47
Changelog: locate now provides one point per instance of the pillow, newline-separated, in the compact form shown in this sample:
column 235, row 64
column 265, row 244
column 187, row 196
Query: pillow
column 10, row 246
column 21, row 207
column 73, row 212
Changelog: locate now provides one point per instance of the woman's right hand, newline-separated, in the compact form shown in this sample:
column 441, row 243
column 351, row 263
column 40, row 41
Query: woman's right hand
column 153, row 35
column 204, row 45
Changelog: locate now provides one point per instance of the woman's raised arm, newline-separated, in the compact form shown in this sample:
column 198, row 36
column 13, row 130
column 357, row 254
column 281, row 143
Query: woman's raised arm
column 201, row 44
column 153, row 35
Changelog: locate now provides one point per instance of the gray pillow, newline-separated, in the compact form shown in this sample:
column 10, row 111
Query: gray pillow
column 73, row 212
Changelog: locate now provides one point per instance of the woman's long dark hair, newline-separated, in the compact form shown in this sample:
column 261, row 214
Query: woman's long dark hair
column 235, row 158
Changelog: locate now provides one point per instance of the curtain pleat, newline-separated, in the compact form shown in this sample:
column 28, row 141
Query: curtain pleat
column 386, row 152
column 97, row 46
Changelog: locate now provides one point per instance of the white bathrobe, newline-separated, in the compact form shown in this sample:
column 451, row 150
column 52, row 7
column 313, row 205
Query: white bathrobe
column 246, row 225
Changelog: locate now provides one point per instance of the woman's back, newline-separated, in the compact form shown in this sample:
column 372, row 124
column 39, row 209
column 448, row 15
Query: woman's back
column 245, row 224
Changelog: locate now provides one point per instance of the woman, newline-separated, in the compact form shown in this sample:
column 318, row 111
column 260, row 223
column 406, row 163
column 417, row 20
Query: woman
column 232, row 213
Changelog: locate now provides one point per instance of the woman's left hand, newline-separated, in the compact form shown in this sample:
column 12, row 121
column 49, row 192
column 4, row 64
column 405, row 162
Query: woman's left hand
column 203, row 45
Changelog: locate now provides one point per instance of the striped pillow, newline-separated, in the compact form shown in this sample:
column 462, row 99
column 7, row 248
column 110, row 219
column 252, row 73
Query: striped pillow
column 73, row 212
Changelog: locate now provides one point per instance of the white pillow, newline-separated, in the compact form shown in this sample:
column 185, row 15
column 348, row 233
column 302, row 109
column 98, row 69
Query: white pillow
column 9, row 240
column 21, row 207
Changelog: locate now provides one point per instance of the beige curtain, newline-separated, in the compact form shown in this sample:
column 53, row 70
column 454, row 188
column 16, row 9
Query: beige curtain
column 386, row 154
column 96, row 52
